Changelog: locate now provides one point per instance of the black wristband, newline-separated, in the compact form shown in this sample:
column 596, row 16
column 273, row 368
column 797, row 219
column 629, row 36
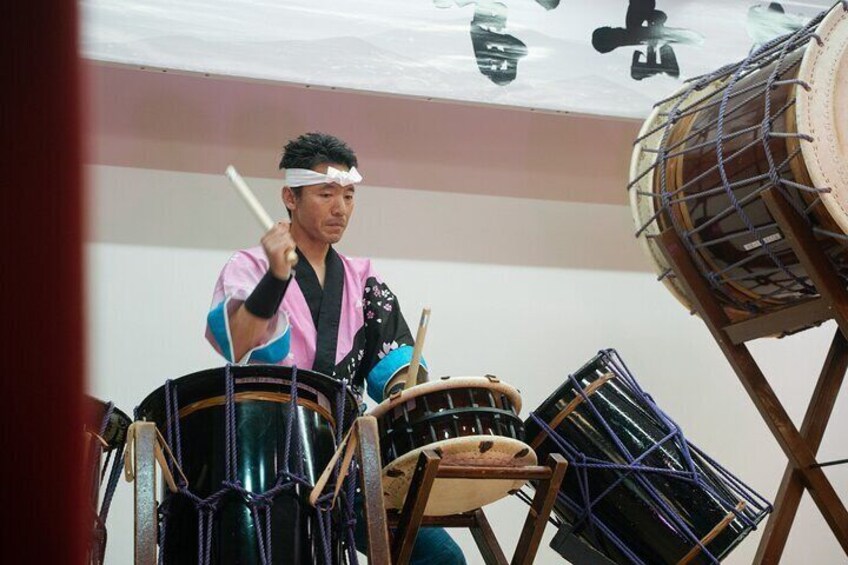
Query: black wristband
column 265, row 299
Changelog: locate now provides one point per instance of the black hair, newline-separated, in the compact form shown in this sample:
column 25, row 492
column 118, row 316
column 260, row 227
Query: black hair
column 312, row 149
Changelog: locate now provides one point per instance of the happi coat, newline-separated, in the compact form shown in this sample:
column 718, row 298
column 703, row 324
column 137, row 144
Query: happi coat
column 352, row 328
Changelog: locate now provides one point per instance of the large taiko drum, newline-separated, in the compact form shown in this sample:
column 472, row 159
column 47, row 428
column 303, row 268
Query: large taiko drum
column 636, row 490
column 467, row 421
column 705, row 156
column 105, row 436
column 250, row 442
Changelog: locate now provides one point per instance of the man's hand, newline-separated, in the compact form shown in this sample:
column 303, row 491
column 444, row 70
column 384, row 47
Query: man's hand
column 279, row 246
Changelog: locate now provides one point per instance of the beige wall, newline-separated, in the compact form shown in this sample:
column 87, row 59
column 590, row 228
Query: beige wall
column 190, row 123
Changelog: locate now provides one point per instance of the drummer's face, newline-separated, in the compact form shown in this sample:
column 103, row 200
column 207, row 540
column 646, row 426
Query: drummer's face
column 322, row 211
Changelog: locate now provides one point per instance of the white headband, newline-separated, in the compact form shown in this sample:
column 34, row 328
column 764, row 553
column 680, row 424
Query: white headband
column 304, row 177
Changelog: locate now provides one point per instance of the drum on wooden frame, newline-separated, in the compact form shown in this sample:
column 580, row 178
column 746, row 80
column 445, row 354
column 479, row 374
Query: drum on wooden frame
column 468, row 421
column 705, row 155
column 250, row 440
column 636, row 489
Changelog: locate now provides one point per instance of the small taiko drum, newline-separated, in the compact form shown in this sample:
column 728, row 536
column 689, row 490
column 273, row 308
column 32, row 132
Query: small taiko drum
column 705, row 156
column 469, row 421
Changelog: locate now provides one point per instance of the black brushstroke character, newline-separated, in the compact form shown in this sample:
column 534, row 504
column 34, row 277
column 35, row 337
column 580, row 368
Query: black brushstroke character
column 497, row 53
column 548, row 4
column 645, row 25
column 764, row 23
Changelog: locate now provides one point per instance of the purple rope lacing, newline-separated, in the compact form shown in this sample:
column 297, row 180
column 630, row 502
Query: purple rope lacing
column 349, row 489
column 774, row 175
column 346, row 502
column 107, row 415
column 347, row 506
column 581, row 464
column 113, row 463
column 259, row 503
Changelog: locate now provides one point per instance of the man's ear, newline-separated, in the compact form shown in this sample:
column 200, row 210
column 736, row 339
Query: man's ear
column 289, row 200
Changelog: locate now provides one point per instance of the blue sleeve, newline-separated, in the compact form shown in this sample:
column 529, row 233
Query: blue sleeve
column 272, row 352
column 386, row 368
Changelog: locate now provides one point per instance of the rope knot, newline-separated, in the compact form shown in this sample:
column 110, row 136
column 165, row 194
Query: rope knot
column 324, row 502
column 261, row 501
column 209, row 505
column 714, row 278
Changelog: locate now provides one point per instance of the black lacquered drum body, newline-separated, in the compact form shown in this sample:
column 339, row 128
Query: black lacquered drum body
column 262, row 404
column 446, row 413
column 648, row 512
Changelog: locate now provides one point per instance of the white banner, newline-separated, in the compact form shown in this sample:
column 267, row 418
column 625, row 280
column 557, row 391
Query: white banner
column 607, row 57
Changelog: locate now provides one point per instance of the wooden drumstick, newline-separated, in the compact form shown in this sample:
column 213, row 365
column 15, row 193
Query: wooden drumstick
column 412, row 372
column 258, row 211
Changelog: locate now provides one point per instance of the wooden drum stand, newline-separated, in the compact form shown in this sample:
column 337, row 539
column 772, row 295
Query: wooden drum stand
column 146, row 448
column 800, row 446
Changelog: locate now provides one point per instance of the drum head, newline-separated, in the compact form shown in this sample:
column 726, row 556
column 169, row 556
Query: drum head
column 444, row 383
column 822, row 112
column 453, row 496
column 643, row 207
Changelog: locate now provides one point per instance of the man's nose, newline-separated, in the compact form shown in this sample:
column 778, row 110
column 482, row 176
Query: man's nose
column 339, row 205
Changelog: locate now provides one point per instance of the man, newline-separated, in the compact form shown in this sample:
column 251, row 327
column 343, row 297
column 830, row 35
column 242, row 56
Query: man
column 335, row 316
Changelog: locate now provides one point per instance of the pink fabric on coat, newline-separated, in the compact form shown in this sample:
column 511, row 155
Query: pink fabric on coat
column 243, row 271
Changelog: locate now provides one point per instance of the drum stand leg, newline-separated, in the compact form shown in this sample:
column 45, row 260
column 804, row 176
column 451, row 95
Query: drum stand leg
column 815, row 421
column 144, row 464
column 799, row 447
column 429, row 468
column 485, row 539
column 540, row 509
column 371, row 479
column 414, row 505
